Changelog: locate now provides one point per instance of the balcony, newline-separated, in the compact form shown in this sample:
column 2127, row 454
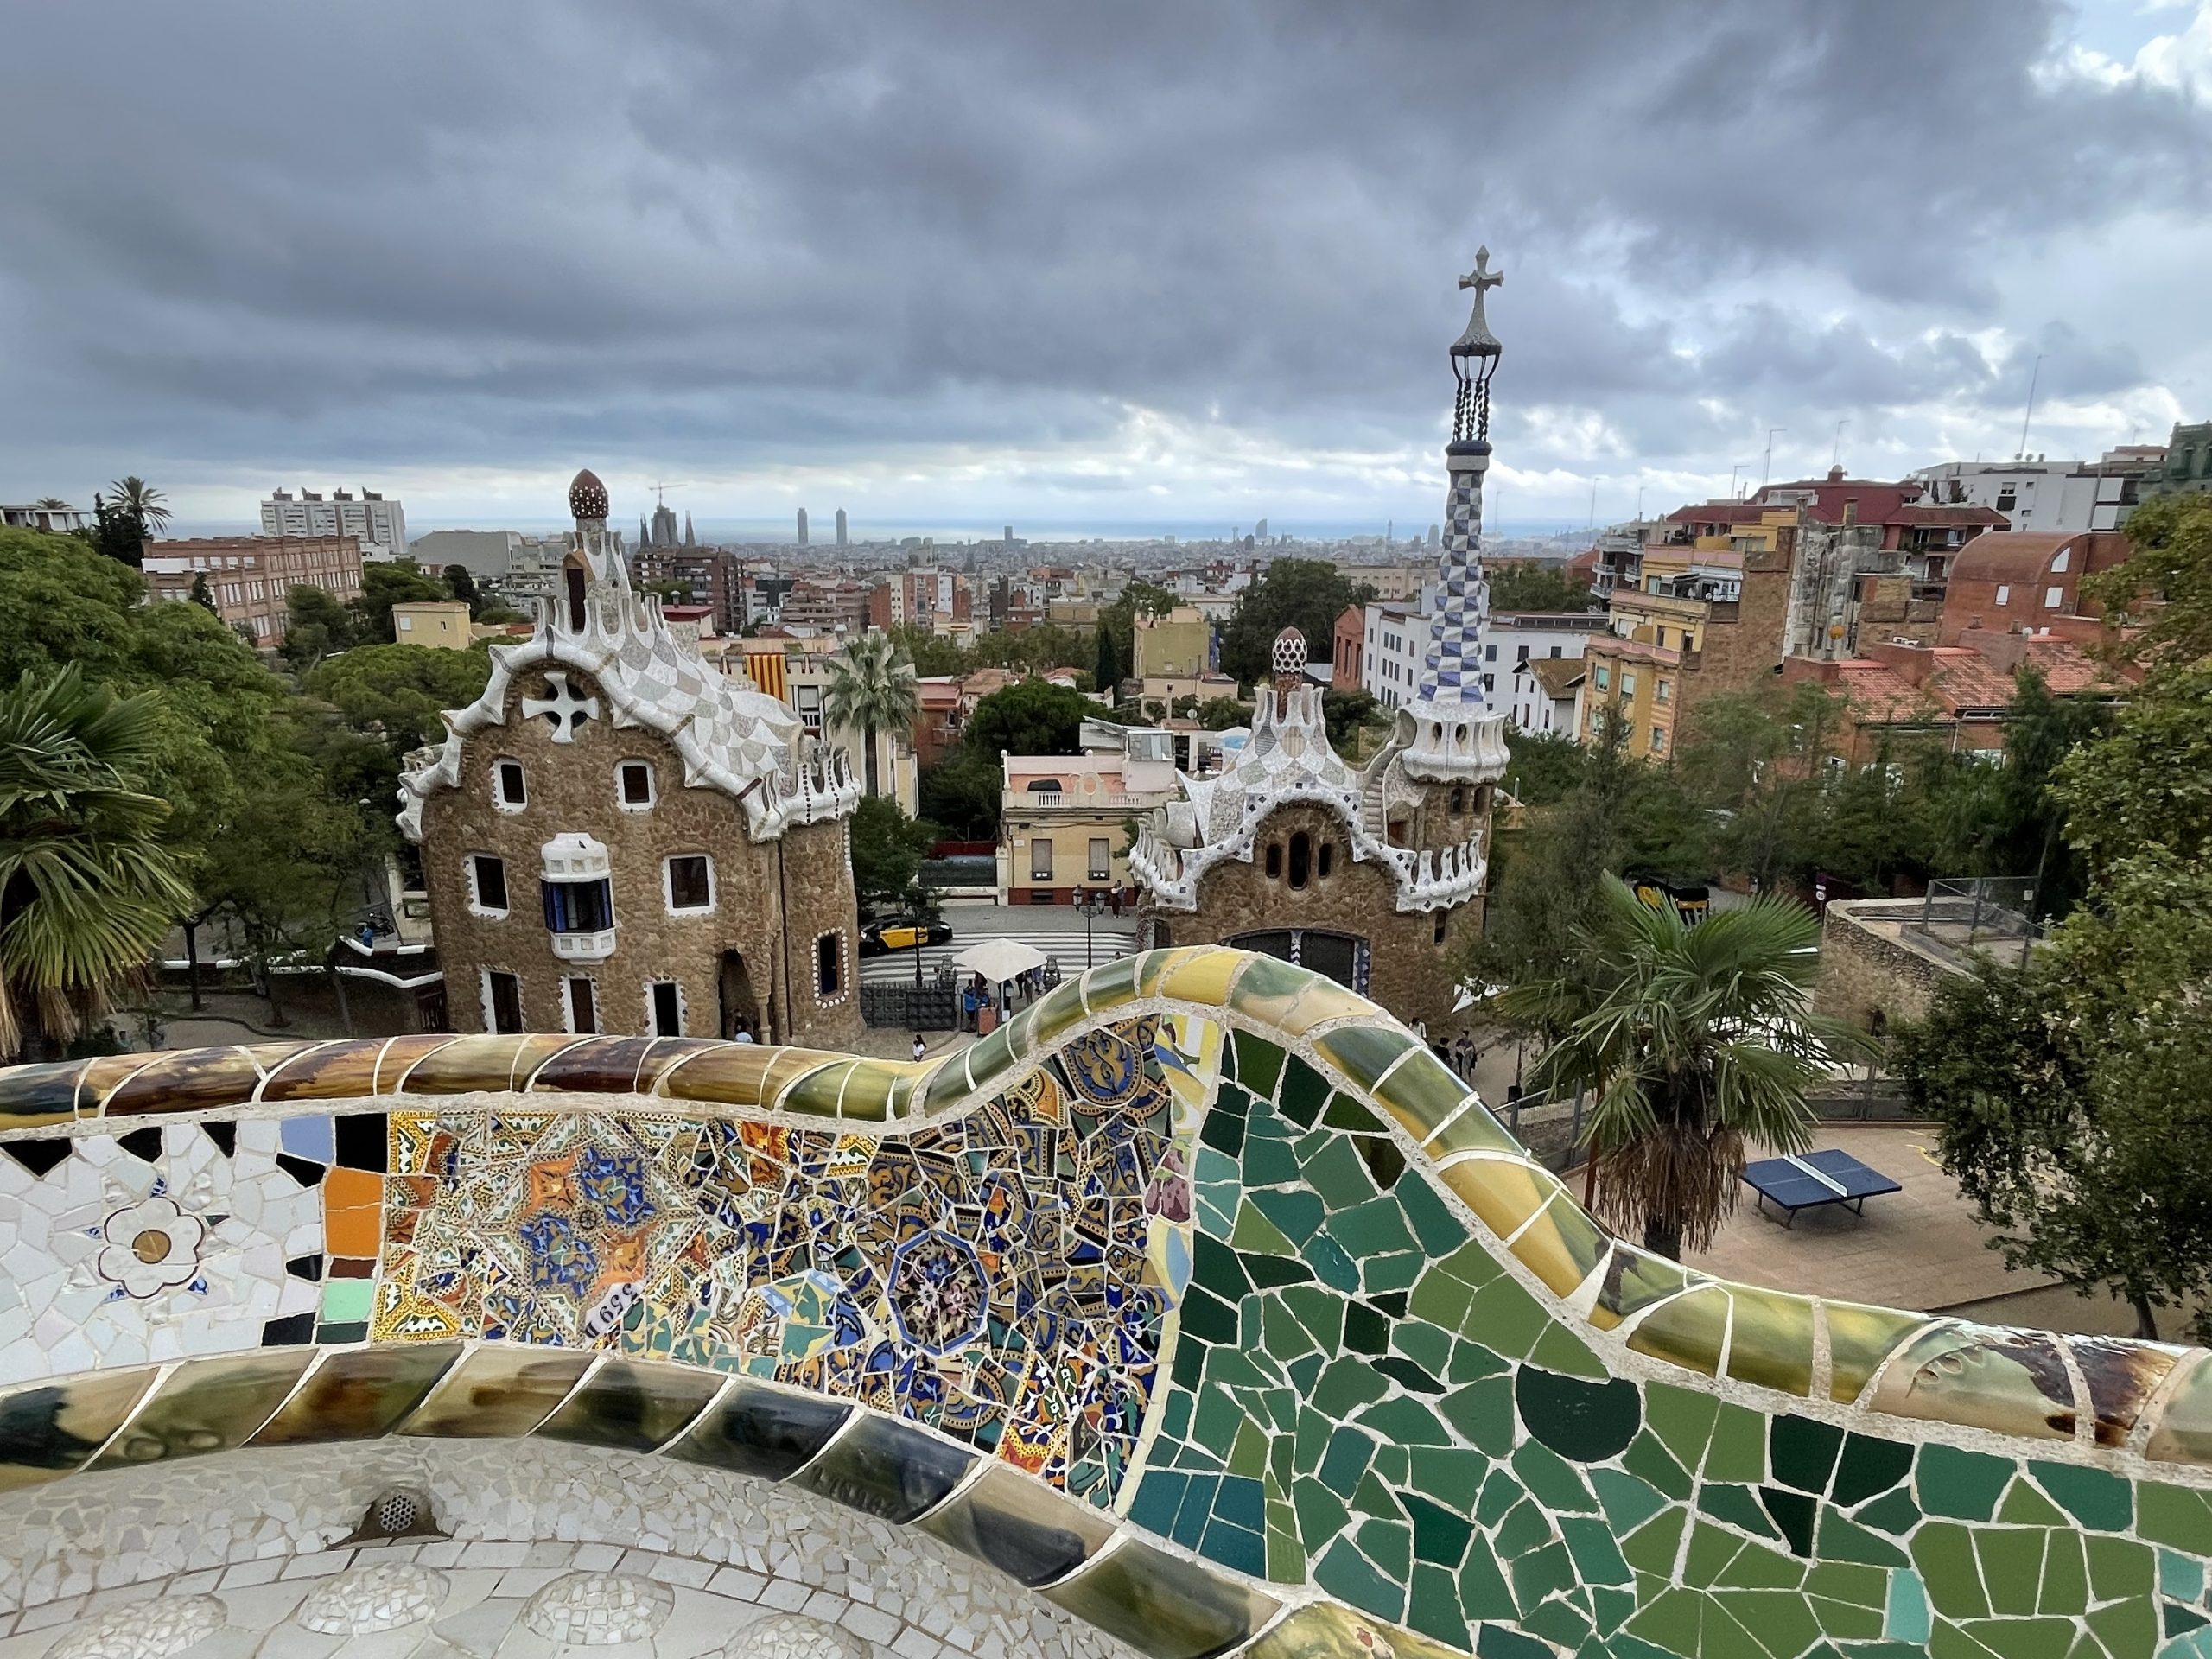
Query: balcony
column 1014, row 801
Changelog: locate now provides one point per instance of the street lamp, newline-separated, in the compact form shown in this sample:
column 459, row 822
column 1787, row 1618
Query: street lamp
column 1091, row 901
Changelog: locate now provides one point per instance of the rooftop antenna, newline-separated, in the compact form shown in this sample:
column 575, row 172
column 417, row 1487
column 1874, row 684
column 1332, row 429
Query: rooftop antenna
column 1639, row 504
column 2034, row 374
column 1734, row 469
column 1593, row 505
column 1768, row 466
column 1835, row 455
column 660, row 493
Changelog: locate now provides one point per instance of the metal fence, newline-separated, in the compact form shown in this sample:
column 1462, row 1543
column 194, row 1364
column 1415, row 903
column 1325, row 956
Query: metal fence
column 927, row 1007
column 1993, row 914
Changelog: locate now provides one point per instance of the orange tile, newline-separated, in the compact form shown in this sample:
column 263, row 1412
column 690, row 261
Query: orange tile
column 353, row 1212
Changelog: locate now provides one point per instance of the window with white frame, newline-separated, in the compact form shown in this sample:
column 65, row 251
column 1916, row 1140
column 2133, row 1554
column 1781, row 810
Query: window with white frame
column 487, row 884
column 2004, row 593
column 633, row 785
column 664, row 1004
column 582, row 999
column 502, row 1001
column 689, row 882
column 829, row 964
column 510, row 793
column 2053, row 598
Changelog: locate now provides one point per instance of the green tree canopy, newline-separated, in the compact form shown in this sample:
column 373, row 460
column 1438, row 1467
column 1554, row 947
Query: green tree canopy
column 1222, row 714
column 87, row 890
column 2164, row 588
column 398, row 693
column 316, row 626
column 872, row 690
column 1029, row 717
column 1694, row 1041
column 1535, row 588
column 1307, row 594
column 962, row 793
column 384, row 584
column 2071, row 1097
column 889, row 848
column 932, row 654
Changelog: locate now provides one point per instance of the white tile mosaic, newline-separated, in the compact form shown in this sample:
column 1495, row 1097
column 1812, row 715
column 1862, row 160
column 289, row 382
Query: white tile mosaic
column 155, row 1245
column 533, row 1522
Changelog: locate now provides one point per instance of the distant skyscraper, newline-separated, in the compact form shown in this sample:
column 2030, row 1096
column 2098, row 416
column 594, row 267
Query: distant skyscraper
column 1435, row 535
column 1009, row 535
column 802, row 526
column 841, row 527
column 645, row 534
column 689, row 540
column 1260, row 532
column 664, row 525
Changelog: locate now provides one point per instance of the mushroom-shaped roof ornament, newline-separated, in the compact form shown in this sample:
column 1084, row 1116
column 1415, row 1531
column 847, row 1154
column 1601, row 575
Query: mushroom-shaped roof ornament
column 587, row 497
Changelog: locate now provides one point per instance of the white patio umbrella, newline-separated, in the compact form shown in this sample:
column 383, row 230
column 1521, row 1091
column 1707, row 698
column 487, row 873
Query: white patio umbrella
column 999, row 960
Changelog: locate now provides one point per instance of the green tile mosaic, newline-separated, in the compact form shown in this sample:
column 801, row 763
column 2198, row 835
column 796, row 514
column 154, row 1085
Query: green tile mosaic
column 1404, row 1370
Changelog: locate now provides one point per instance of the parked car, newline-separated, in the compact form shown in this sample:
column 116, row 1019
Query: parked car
column 880, row 939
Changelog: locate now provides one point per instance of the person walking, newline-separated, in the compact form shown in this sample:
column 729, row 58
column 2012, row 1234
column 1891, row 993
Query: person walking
column 921, row 1048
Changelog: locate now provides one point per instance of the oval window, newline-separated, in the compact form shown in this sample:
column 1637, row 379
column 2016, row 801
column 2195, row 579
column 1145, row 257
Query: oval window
column 1326, row 857
column 1274, row 860
column 1301, row 859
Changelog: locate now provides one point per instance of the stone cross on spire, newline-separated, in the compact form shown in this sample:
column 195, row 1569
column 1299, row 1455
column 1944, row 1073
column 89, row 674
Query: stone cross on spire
column 1478, row 342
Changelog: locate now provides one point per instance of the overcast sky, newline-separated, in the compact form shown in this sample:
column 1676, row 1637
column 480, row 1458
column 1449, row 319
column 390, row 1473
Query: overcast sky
column 1181, row 262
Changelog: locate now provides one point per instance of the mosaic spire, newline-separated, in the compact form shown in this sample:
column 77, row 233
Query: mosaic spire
column 1452, row 670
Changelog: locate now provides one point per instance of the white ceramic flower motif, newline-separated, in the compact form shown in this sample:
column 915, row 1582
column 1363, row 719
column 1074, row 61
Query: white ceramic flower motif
column 150, row 1246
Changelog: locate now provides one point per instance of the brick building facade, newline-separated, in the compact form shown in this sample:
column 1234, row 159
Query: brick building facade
column 616, row 837
column 250, row 578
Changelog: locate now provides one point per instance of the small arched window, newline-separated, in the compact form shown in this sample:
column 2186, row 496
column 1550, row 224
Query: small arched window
column 574, row 572
column 1274, row 860
column 1326, row 858
column 1459, row 800
column 1301, row 859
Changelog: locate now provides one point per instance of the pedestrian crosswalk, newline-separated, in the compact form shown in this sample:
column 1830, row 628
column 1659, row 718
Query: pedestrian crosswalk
column 1109, row 943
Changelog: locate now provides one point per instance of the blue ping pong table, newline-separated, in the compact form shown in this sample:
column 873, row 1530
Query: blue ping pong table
column 1813, row 1179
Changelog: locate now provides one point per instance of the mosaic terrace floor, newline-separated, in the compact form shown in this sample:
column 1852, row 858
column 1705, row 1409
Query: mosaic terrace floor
column 1200, row 1300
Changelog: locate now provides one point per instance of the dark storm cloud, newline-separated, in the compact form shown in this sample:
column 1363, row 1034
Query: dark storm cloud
column 708, row 234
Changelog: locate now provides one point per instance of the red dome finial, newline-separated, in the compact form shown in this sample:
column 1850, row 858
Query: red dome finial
column 587, row 497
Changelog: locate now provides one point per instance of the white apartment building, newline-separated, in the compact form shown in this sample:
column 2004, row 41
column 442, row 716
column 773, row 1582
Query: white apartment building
column 380, row 526
column 1397, row 638
column 2060, row 495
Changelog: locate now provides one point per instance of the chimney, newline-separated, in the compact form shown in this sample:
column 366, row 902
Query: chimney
column 1850, row 511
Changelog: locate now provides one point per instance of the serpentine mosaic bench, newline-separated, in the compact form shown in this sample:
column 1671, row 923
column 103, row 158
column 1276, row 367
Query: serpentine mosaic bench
column 1200, row 1299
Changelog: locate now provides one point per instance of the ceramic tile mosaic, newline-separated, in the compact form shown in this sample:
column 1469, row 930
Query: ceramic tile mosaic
column 715, row 1558
column 1201, row 1298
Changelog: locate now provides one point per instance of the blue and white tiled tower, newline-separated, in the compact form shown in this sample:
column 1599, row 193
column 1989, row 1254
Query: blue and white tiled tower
column 1447, row 734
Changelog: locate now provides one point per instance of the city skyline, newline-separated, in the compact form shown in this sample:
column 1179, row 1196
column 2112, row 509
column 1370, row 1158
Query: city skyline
column 1177, row 274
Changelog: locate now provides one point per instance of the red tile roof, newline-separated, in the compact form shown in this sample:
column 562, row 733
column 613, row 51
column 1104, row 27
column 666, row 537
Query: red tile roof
column 1879, row 695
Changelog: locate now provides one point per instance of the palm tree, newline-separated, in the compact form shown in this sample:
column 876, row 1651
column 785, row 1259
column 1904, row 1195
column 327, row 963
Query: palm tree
column 51, row 503
column 1694, row 1041
column 135, row 496
column 86, row 891
column 871, row 689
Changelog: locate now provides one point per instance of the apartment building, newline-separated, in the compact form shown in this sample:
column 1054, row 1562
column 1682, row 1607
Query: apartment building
column 1064, row 818
column 378, row 525
column 250, row 578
